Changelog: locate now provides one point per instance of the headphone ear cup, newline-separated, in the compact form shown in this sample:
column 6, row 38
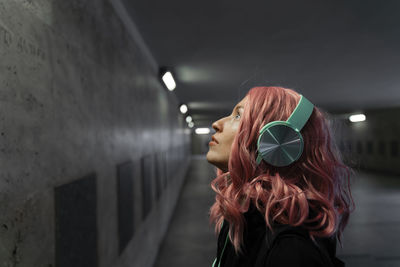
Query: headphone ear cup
column 279, row 144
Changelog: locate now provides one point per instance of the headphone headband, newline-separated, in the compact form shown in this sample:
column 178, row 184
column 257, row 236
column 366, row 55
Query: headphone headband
column 301, row 113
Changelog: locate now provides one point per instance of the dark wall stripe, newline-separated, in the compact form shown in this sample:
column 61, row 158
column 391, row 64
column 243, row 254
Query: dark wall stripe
column 125, row 203
column 157, row 175
column 75, row 223
column 146, row 173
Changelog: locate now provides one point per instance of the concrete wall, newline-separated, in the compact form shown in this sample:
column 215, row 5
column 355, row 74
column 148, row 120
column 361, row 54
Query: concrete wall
column 373, row 144
column 78, row 98
column 200, row 143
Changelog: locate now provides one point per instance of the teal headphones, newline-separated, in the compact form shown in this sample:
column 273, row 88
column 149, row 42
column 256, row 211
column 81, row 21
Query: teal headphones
column 280, row 142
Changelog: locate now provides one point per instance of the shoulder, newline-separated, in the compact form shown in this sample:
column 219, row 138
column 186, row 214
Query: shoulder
column 296, row 251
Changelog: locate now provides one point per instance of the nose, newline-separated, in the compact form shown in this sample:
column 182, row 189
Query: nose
column 217, row 125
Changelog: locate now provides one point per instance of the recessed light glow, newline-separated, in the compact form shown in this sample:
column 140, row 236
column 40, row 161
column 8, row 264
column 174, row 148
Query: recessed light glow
column 169, row 80
column 202, row 130
column 183, row 108
column 191, row 124
column 188, row 119
column 357, row 118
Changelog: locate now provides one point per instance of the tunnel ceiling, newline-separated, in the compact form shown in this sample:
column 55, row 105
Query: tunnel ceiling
column 343, row 55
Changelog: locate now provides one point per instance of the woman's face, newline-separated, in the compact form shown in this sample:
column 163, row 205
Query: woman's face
column 226, row 129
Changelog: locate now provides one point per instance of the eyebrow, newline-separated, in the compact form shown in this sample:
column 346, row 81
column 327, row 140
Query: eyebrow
column 237, row 107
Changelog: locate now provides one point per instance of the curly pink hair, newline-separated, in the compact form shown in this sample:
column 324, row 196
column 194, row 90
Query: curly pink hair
column 317, row 183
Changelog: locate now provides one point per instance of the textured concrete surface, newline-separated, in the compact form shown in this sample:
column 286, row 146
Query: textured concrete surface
column 78, row 96
column 373, row 144
column 372, row 238
column 200, row 142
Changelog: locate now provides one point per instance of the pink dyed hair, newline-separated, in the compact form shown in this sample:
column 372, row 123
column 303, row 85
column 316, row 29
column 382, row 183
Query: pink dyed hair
column 318, row 181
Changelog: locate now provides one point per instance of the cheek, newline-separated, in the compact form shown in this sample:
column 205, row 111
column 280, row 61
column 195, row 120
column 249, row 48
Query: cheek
column 225, row 150
column 227, row 146
column 231, row 137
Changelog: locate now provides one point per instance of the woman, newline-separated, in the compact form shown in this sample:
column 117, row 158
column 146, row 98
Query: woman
column 282, row 192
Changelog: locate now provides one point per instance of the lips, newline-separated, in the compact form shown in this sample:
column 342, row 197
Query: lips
column 214, row 139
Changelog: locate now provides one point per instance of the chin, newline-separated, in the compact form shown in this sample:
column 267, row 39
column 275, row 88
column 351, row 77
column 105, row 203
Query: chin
column 211, row 156
column 212, row 159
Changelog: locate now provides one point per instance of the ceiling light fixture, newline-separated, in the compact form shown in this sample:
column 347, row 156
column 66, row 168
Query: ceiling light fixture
column 189, row 119
column 202, row 130
column 183, row 108
column 357, row 117
column 168, row 79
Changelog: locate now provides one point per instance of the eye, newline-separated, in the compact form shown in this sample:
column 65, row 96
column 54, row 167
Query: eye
column 237, row 116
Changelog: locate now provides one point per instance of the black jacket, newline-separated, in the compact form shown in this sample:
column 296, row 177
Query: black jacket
column 289, row 246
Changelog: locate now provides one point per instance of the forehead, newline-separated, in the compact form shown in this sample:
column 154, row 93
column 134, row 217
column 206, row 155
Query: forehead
column 241, row 103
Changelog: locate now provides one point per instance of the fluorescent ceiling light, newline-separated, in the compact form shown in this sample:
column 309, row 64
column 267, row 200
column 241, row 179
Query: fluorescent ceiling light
column 169, row 80
column 357, row 117
column 191, row 124
column 183, row 108
column 189, row 119
column 202, row 130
